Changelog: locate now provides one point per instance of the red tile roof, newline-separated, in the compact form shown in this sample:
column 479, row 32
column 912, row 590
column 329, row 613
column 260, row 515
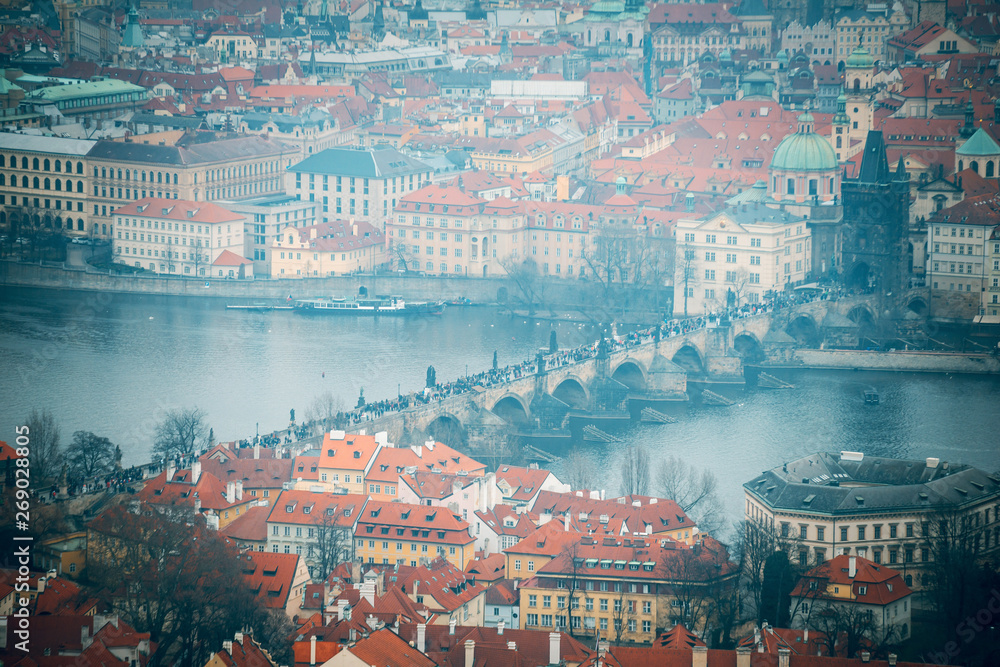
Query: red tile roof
column 982, row 210
column 254, row 473
column 251, row 526
column 447, row 585
column 179, row 209
column 311, row 508
column 656, row 514
column 229, row 258
column 270, row 576
column 180, row 492
column 352, row 452
column 417, row 522
column 7, row 452
column 386, row 649
column 525, row 483
column 882, row 585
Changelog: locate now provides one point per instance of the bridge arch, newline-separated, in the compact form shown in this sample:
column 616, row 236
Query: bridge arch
column 447, row 428
column 689, row 358
column 573, row 392
column 748, row 346
column 918, row 305
column 512, row 408
column 862, row 314
column 804, row 329
column 631, row 373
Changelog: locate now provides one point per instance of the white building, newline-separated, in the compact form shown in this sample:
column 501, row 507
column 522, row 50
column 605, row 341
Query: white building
column 175, row 236
column 265, row 218
column 747, row 251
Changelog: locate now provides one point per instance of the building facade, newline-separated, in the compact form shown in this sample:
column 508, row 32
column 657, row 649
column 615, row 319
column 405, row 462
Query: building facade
column 175, row 236
column 393, row 532
column 885, row 510
column 265, row 218
column 327, row 249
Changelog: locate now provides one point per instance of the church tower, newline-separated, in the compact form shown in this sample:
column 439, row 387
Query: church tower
column 840, row 136
column 859, row 74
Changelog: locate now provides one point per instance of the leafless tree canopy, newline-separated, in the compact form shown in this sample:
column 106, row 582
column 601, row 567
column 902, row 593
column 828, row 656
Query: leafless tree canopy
column 696, row 491
column 578, row 471
column 635, row 471
column 323, row 411
column 46, row 456
column 90, row 455
column 181, row 432
column 334, row 545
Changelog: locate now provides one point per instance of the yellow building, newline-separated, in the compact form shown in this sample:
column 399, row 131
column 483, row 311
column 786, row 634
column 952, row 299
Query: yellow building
column 346, row 458
column 626, row 588
column 328, row 249
column 391, row 532
column 535, row 551
column 66, row 554
column 231, row 47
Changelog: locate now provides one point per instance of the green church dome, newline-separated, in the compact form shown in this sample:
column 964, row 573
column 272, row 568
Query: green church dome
column 980, row 144
column 804, row 151
column 860, row 58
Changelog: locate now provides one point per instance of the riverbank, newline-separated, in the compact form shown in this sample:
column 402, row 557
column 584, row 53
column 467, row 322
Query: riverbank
column 896, row 361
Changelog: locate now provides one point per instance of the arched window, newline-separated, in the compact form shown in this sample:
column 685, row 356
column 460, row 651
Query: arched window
column 24, row 182
column 961, row 165
column 974, row 166
column 35, row 182
column 628, row 40
column 79, row 168
column 47, row 165
column 791, row 187
column 840, row 142
column 813, row 187
column 3, row 161
column 58, row 185
column 24, row 163
column 175, row 179
column 79, row 225
column 990, row 169
column 607, row 35
column 159, row 177
column 3, row 179
column 58, row 165
column 833, row 182
column 79, row 186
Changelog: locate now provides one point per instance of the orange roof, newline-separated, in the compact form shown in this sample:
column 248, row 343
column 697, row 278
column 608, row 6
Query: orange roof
column 298, row 91
column 264, row 473
column 871, row 584
column 386, row 649
column 179, row 491
column 7, row 452
column 180, row 210
column 525, row 483
column 312, row 508
column 416, row 522
column 446, row 584
column 249, row 526
column 430, row 485
column 658, row 514
column 349, row 452
column 269, row 575
column 391, row 462
column 548, row 540
column 229, row 258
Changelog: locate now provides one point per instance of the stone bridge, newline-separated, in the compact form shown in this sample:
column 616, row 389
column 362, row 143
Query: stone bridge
column 652, row 370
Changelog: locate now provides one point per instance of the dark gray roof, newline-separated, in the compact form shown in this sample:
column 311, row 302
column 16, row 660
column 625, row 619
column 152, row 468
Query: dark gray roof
column 824, row 483
column 757, row 215
column 191, row 149
column 874, row 164
column 181, row 122
column 363, row 163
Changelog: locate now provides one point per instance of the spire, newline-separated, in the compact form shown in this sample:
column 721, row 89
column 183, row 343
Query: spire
column 841, row 117
column 901, row 175
column 969, row 127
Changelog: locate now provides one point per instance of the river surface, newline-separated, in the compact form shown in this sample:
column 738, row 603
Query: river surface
column 113, row 364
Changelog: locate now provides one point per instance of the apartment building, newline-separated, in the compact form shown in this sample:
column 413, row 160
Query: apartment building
column 958, row 238
column 192, row 165
column 532, row 553
column 189, row 492
column 738, row 256
column 460, row 493
column 870, row 29
column 384, row 477
column 364, row 184
column 314, row 525
column 991, row 296
column 658, row 517
column 45, row 178
column 449, row 594
column 346, row 458
column 855, row 586
column 265, row 218
column 395, row 532
column 626, row 588
column 331, row 248
column 882, row 509
column 176, row 236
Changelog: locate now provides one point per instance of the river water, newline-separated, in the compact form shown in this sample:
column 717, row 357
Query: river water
column 113, row 364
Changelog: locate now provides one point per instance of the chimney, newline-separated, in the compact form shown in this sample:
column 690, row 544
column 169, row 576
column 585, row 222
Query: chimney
column 743, row 656
column 805, row 636
column 512, row 646
column 852, row 566
column 368, row 592
column 892, row 659
column 500, row 625
column 239, row 489
column 566, row 521
column 170, row 471
column 312, row 650
column 470, row 653
column 451, row 626
column 341, row 610
column 784, row 655
column 227, row 646
column 700, row 656
column 422, row 637
column 555, row 640
column 353, row 635
column 195, row 471
column 41, row 585
column 230, row 491
column 866, row 657
column 85, row 639
column 256, row 450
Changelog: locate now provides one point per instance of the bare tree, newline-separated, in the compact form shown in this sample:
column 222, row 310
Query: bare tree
column 90, row 455
column 622, row 612
column 700, row 576
column 334, row 545
column 635, row 471
column 738, row 284
column 45, row 454
column 524, row 278
column 846, row 629
column 687, row 276
column 578, row 471
column 756, row 542
column 181, row 432
column 404, row 259
column 324, row 411
column 695, row 491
